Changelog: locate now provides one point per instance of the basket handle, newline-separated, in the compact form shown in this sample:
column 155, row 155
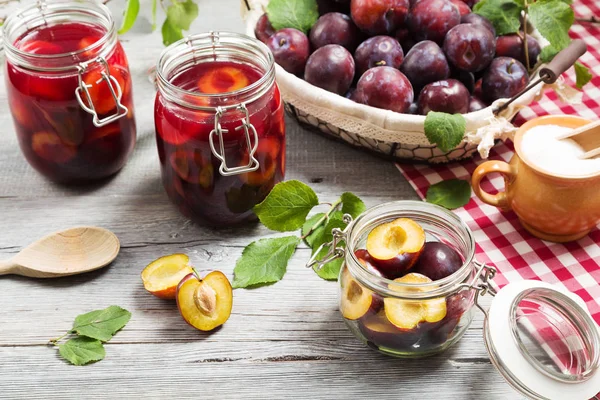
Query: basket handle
column 563, row 61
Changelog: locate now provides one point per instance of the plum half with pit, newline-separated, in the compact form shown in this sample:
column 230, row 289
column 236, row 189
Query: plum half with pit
column 449, row 96
column 425, row 63
column 331, row 68
column 476, row 19
column 334, row 28
column 470, row 47
column 387, row 88
column 378, row 51
column 432, row 19
column 377, row 17
column 395, row 246
column 290, row 48
column 513, row 46
column 438, row 261
column 504, row 78
column 263, row 30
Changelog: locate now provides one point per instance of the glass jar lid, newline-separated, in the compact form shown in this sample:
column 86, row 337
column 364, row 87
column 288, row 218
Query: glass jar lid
column 544, row 341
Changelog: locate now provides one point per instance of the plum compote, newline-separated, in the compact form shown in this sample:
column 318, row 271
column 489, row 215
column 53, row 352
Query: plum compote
column 210, row 183
column 58, row 137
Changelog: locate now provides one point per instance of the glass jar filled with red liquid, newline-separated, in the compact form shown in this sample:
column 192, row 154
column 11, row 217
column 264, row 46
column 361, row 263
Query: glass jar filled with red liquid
column 69, row 90
column 220, row 126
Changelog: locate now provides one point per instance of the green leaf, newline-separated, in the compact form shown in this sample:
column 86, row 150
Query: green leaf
column 335, row 221
column 286, row 207
column 299, row 14
column 445, row 130
column 453, row 193
column 352, row 205
column 503, row 14
column 553, row 19
column 170, row 32
column 331, row 270
column 132, row 8
column 582, row 74
column 82, row 350
column 182, row 14
column 309, row 240
column 154, row 15
column 102, row 324
column 264, row 261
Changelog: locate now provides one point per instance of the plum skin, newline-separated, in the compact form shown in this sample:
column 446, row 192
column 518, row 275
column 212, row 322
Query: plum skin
column 438, row 260
column 290, row 48
column 378, row 51
column 512, row 46
column 387, row 88
column 378, row 17
column 449, row 96
column 470, row 47
column 334, row 28
column 476, row 104
column 504, row 78
column 330, row 67
column 264, row 30
column 476, row 19
column 432, row 19
column 425, row 63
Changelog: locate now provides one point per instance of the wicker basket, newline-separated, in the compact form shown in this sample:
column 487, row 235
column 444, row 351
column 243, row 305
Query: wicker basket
column 386, row 133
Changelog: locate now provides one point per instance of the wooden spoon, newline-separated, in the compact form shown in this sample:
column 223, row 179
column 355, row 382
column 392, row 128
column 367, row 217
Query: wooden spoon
column 63, row 253
column 588, row 137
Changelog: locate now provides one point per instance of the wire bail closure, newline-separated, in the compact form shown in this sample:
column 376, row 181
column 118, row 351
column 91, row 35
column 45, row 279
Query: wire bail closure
column 249, row 129
column 334, row 251
column 113, row 85
column 481, row 283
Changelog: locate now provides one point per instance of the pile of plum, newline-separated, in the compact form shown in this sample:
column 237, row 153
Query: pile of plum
column 408, row 56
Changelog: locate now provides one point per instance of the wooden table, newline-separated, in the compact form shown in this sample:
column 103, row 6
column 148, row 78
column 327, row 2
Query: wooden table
column 287, row 340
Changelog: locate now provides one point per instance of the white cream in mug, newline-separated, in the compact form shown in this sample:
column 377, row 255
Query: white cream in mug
column 541, row 147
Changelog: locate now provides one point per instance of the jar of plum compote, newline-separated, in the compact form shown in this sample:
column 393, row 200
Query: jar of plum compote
column 220, row 126
column 409, row 285
column 69, row 90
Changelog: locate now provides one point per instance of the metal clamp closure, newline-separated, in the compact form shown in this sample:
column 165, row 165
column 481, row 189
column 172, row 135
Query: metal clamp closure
column 113, row 85
column 335, row 251
column 251, row 143
column 481, row 283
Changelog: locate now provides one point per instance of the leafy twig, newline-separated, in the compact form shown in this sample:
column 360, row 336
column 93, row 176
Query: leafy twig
column 525, row 44
column 590, row 20
column 324, row 218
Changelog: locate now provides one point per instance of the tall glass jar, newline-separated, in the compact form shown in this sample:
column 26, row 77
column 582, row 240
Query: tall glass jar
column 69, row 89
column 220, row 126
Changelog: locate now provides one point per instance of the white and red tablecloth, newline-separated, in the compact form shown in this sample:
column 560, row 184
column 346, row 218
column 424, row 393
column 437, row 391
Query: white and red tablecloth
column 501, row 240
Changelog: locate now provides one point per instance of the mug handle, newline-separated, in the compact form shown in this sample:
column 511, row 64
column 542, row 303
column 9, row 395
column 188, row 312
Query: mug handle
column 497, row 200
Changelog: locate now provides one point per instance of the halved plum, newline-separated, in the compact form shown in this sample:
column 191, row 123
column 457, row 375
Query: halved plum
column 99, row 89
column 395, row 246
column 378, row 330
column 50, row 147
column 205, row 303
column 223, row 80
column 192, row 167
column 408, row 314
column 356, row 300
column 456, row 306
column 266, row 153
column 162, row 276
column 365, row 259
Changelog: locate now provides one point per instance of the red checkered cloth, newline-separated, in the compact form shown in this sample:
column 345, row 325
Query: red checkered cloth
column 501, row 240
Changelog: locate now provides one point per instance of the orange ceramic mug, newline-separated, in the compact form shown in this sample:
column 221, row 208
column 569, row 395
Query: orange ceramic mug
column 550, row 206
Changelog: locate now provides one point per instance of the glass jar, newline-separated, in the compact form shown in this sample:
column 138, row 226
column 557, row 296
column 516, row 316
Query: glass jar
column 69, row 89
column 540, row 337
column 220, row 126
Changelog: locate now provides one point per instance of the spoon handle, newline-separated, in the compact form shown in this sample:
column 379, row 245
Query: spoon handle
column 7, row 267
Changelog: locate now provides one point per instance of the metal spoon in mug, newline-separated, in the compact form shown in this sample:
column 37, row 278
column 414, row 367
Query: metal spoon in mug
column 69, row 252
column 592, row 138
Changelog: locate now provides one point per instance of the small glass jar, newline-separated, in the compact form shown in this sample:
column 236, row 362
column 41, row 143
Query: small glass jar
column 540, row 337
column 69, row 89
column 220, row 126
